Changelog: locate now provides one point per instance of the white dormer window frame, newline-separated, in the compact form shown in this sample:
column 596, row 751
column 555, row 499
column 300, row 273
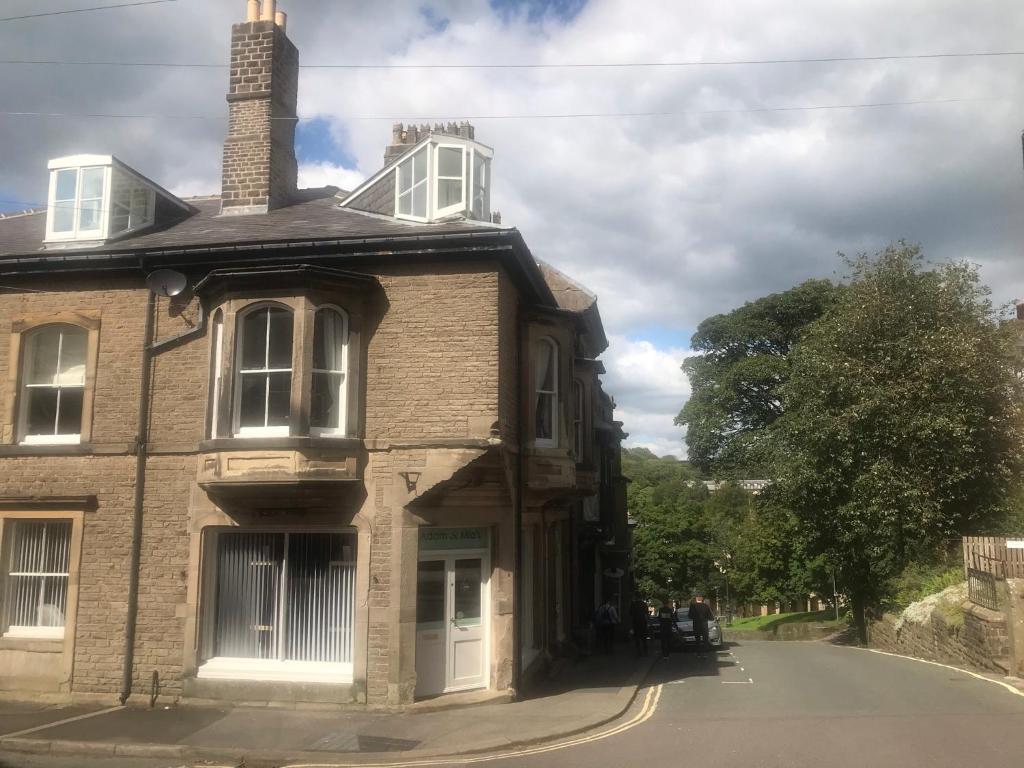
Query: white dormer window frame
column 94, row 198
column 443, row 179
column 408, row 186
column 72, row 190
column 433, row 157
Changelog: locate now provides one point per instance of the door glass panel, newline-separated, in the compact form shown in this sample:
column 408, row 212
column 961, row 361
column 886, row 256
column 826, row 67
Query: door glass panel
column 467, row 606
column 430, row 594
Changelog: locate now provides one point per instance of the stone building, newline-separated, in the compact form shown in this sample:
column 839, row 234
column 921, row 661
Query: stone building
column 296, row 445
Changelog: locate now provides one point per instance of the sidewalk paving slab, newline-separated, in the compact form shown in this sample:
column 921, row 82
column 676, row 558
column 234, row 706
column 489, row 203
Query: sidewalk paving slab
column 18, row 716
column 585, row 694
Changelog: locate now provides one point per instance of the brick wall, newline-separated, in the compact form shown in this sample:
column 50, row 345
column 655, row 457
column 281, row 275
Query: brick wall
column 433, row 360
column 981, row 642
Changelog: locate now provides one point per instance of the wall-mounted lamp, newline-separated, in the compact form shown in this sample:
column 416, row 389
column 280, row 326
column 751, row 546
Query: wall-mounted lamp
column 411, row 478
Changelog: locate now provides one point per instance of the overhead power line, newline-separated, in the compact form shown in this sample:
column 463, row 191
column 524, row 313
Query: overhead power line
column 538, row 116
column 544, row 65
column 84, row 10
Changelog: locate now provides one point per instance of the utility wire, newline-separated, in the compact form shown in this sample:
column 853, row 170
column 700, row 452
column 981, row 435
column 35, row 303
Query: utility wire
column 581, row 65
column 84, row 10
column 550, row 116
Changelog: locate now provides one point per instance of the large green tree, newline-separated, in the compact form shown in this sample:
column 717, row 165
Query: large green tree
column 736, row 378
column 902, row 419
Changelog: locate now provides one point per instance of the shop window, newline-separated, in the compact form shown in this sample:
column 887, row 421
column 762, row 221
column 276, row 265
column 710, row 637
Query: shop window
column 546, row 391
column 53, row 384
column 283, row 599
column 35, row 569
column 264, row 372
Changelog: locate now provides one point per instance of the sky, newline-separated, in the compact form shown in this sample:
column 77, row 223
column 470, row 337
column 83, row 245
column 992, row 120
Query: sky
column 668, row 218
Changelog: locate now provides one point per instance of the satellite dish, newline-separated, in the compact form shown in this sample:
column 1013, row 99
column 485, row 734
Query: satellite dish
column 166, row 282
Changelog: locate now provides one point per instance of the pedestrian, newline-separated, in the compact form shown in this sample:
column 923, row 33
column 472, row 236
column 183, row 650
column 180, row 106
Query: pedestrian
column 666, row 626
column 638, row 614
column 700, row 615
column 606, row 618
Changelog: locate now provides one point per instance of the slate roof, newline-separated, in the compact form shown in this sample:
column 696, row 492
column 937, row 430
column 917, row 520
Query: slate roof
column 315, row 216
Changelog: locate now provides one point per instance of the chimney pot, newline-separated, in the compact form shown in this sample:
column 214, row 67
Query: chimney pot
column 269, row 10
column 252, row 12
column 281, row 19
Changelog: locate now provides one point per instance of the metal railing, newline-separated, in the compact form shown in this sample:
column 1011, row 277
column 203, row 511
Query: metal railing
column 982, row 589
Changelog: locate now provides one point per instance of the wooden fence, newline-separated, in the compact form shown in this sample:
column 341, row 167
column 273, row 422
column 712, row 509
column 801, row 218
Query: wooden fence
column 999, row 556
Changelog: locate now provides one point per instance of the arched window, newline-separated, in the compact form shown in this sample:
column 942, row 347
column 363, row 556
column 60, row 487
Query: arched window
column 545, row 369
column 53, row 384
column 330, row 365
column 263, row 386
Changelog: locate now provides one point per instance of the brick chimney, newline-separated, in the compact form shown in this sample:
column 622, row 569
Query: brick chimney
column 402, row 137
column 260, row 171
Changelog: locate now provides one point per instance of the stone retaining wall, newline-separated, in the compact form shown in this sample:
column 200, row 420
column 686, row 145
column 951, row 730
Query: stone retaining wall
column 982, row 641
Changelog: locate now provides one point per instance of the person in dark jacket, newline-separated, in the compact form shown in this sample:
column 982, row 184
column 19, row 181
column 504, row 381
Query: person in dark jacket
column 638, row 617
column 700, row 615
column 666, row 626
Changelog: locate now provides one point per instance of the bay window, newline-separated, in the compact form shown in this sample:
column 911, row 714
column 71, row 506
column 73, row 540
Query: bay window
column 53, row 384
column 284, row 605
column 35, row 569
column 264, row 378
column 330, row 352
column 545, row 361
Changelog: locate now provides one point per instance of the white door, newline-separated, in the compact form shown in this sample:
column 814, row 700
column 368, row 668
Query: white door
column 467, row 649
column 451, row 623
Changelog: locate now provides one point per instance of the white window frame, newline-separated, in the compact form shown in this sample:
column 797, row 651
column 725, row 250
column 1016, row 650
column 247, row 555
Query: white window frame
column 239, row 372
column 34, row 631
column 399, row 193
column 76, row 232
column 463, row 179
column 70, row 438
column 276, row 669
column 342, row 429
column 485, row 162
column 547, row 442
column 217, row 379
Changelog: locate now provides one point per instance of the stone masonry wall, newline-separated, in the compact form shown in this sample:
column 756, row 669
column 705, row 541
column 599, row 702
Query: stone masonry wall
column 980, row 643
column 508, row 317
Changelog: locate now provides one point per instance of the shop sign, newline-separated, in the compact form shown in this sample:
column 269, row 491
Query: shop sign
column 439, row 539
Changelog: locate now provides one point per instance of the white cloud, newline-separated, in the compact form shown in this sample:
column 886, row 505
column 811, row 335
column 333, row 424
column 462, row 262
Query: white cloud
column 667, row 219
column 649, row 388
column 328, row 174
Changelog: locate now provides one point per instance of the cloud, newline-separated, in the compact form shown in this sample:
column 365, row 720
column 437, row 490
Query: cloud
column 328, row 174
column 649, row 388
column 668, row 219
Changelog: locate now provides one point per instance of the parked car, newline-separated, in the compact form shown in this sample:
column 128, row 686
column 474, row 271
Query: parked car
column 683, row 636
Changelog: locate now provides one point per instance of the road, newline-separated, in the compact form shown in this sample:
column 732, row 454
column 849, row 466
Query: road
column 777, row 705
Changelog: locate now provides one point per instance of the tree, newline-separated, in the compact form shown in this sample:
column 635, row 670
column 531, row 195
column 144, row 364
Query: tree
column 902, row 419
column 736, row 378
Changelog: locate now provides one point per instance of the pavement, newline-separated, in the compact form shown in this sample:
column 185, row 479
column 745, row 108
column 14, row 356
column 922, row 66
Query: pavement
column 583, row 695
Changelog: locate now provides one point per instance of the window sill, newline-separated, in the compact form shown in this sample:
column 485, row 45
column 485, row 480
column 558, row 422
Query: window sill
column 278, row 443
column 225, row 668
column 32, row 644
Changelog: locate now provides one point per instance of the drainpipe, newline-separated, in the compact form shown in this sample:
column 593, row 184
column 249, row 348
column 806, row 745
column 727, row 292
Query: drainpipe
column 140, row 488
column 517, row 519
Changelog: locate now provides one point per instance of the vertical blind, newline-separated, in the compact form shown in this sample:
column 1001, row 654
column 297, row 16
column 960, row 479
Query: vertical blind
column 37, row 574
column 286, row 596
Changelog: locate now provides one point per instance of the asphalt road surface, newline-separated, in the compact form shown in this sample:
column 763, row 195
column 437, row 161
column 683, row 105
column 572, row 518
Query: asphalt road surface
column 778, row 705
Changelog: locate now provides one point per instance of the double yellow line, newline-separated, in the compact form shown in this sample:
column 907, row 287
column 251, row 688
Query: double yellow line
column 646, row 712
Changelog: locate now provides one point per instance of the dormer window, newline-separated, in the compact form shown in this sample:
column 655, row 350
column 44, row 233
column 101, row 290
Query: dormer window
column 440, row 175
column 94, row 198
